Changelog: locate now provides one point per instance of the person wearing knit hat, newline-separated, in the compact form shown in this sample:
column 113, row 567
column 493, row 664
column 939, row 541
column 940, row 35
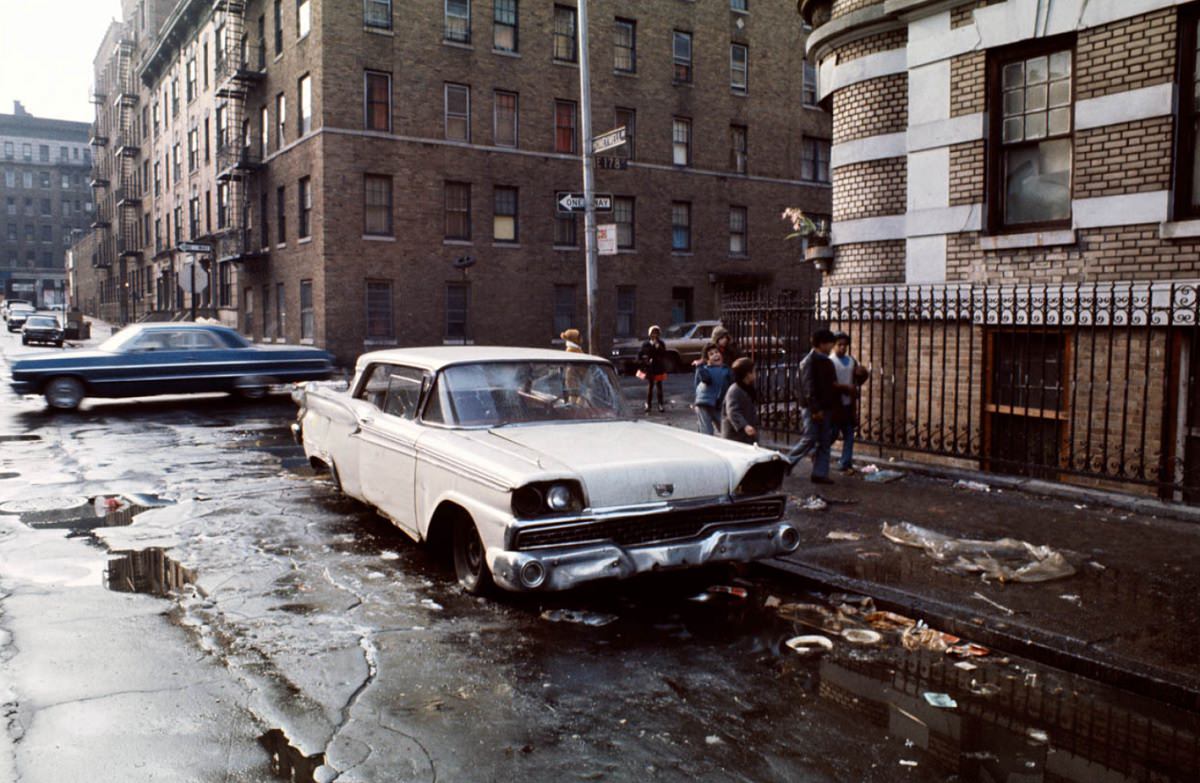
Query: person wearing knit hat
column 653, row 366
column 724, row 341
column 571, row 338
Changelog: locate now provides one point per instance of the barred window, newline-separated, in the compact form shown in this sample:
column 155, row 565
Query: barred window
column 377, row 205
column 505, row 120
column 565, row 45
column 457, row 302
column 458, row 210
column 458, row 21
column 458, row 112
column 626, row 311
column 377, row 14
column 380, row 322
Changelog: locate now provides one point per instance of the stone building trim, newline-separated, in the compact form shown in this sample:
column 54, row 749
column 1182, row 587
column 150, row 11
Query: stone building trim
column 861, row 69
column 946, row 133
column 1125, row 210
column 1129, row 106
column 888, row 145
column 874, row 229
column 944, row 220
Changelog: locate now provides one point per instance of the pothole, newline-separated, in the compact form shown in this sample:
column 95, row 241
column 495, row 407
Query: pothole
column 148, row 571
column 79, row 512
column 287, row 761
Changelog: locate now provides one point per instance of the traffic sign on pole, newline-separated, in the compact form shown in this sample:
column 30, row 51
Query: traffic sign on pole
column 607, row 141
column 193, row 279
column 194, row 247
column 571, row 203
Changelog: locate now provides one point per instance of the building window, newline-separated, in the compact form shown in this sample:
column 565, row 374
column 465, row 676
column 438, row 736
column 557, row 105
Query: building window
column 623, row 216
column 814, row 161
column 190, row 72
column 458, row 112
column 224, row 284
column 176, row 166
column 378, row 101
column 264, row 207
column 810, row 84
column 377, row 205
column 377, row 14
column 504, row 218
column 737, row 148
column 305, row 90
column 627, row 119
column 681, row 141
column 27, row 151
column 278, row 27
column 281, row 214
column 625, row 46
column 308, row 326
column 280, row 311
column 193, row 149
column 504, row 27
column 626, row 311
column 1187, row 186
column 737, row 231
column 565, row 230
column 739, row 67
column 280, row 120
column 681, row 49
column 457, row 295
column 207, row 145
column 380, row 323
column 565, row 135
column 175, row 97
column 222, row 204
column 44, row 153
column 1032, row 120
column 266, row 312
column 565, row 45
column 458, row 210
column 504, row 130
column 303, row 17
column 564, row 309
column 304, row 199
column 681, row 226
column 264, row 131
column 458, row 21
column 9, row 152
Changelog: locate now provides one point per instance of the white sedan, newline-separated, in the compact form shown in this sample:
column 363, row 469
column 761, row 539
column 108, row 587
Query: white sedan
column 526, row 465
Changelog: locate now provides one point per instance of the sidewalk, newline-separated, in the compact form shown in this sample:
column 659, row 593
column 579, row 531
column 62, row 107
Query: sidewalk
column 1128, row 616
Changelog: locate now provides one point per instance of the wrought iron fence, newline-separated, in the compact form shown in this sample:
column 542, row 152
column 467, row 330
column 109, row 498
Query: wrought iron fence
column 1090, row 381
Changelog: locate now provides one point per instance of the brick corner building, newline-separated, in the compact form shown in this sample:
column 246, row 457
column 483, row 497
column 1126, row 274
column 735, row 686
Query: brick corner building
column 1015, row 233
column 342, row 157
column 46, row 202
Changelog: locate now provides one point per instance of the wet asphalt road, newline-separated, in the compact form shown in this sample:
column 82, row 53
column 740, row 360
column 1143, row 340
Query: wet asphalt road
column 353, row 655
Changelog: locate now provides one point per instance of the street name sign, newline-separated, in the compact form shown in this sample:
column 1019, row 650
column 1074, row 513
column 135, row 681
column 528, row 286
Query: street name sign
column 612, row 163
column 607, row 141
column 195, row 247
column 571, row 203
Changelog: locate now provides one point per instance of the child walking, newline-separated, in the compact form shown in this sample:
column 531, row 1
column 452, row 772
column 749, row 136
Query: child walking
column 653, row 360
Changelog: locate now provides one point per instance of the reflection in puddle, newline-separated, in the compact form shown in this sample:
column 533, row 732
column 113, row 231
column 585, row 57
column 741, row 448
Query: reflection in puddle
column 148, row 571
column 287, row 761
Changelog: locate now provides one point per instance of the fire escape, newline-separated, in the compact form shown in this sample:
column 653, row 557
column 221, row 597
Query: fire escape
column 128, row 195
column 99, row 179
column 240, row 66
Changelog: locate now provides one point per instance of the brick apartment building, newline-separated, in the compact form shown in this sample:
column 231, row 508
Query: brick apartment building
column 46, row 199
column 342, row 156
column 1015, row 235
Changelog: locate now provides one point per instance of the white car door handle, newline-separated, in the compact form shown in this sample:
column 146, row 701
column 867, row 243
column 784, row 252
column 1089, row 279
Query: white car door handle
column 366, row 420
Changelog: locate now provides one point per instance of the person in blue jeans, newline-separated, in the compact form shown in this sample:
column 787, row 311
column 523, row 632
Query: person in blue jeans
column 818, row 384
column 712, row 380
column 850, row 377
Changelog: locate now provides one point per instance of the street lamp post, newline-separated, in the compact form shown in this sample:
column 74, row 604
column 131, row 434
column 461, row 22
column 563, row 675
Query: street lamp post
column 589, row 177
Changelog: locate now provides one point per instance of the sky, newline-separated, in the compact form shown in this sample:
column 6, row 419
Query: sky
column 46, row 51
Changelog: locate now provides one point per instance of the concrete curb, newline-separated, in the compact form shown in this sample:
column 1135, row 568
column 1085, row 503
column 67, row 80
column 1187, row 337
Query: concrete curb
column 1063, row 652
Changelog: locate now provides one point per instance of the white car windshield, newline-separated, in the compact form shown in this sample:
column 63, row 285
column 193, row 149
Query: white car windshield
column 499, row 393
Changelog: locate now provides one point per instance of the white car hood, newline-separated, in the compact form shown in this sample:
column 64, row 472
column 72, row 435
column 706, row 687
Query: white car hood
column 627, row 462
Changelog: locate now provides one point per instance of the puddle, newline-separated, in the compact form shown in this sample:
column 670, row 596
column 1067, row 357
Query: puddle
column 149, row 571
column 77, row 512
column 287, row 761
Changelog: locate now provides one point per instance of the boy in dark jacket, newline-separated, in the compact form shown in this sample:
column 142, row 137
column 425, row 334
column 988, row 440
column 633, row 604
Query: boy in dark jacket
column 818, row 383
column 713, row 379
column 741, row 409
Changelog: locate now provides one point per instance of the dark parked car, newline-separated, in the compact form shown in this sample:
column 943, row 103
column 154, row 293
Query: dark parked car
column 16, row 315
column 42, row 329
column 168, row 358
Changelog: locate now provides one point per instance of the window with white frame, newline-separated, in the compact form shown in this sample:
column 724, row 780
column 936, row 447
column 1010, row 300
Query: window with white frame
column 377, row 14
column 681, row 141
column 303, row 17
column 739, row 67
column 681, row 226
column 625, row 45
column 681, row 52
column 458, row 21
column 810, row 84
column 305, row 91
column 737, row 231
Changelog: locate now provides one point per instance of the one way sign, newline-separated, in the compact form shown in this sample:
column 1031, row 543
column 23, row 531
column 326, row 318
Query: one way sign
column 571, row 203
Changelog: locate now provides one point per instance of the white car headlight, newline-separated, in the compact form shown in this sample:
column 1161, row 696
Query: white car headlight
column 558, row 497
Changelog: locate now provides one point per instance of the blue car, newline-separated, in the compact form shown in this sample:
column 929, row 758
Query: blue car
column 168, row 358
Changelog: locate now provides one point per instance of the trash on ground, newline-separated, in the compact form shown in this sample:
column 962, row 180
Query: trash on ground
column 813, row 503
column 1080, row 506
column 884, row 476
column 889, row 621
column 968, row 650
column 862, row 636
column 594, row 619
column 736, row 592
column 942, row 700
column 990, row 602
column 843, row 535
column 869, row 469
column 922, row 636
column 387, row 554
column 713, row 739
column 429, row 603
column 985, row 688
column 973, row 486
column 966, row 666
column 772, row 602
column 907, row 763
column 1004, row 559
column 812, row 615
column 809, row 645
column 1037, row 735
column 1074, row 599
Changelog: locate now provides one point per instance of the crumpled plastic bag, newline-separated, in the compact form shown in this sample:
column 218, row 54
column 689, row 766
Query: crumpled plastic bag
column 1004, row 560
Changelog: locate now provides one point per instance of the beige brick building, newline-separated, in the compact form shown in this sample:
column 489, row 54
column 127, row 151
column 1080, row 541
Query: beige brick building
column 350, row 153
column 1015, row 234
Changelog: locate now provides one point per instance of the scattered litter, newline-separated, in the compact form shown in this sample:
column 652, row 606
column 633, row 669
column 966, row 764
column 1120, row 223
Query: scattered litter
column 843, row 535
column 980, row 755
column 869, row 469
column 713, row 739
column 1037, row 735
column 1080, row 506
column 942, row 700
column 429, row 603
column 736, row 592
column 1005, row 559
column 813, row 503
column 812, row 615
column 1096, row 565
column 907, row 763
column 1074, row 599
column 594, row 619
column 992, row 603
column 966, row 666
column 922, row 636
column 884, row 476
column 862, row 636
column 968, row 650
column 973, row 486
column 809, row 645
column 387, row 554
column 984, row 689
column 772, row 602
column 889, row 621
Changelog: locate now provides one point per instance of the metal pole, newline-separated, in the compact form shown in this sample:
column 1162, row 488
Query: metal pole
column 589, row 183
column 192, row 261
